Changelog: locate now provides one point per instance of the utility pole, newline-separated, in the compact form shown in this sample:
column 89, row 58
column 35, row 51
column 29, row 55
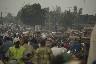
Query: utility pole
column 49, row 22
column 55, row 21
column 1, row 18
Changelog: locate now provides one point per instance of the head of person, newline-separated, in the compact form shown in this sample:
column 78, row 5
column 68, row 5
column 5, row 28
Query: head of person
column 49, row 42
column 43, row 43
column 16, row 43
column 25, row 41
column 22, row 40
column 54, row 45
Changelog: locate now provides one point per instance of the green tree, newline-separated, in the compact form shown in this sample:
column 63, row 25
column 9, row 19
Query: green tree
column 67, row 19
column 32, row 14
column 9, row 18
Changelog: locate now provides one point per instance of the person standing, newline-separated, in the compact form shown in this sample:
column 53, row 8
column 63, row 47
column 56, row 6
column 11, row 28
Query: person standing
column 16, row 53
column 58, row 54
column 44, row 54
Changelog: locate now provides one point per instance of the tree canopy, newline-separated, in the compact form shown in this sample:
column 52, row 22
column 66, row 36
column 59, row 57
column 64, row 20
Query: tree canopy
column 32, row 14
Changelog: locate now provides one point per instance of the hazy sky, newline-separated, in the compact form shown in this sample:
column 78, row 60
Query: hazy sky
column 13, row 6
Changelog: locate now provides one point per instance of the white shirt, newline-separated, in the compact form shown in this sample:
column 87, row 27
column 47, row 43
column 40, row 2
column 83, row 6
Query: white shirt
column 57, row 51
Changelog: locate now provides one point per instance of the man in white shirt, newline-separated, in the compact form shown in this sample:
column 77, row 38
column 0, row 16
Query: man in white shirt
column 58, row 54
column 57, row 51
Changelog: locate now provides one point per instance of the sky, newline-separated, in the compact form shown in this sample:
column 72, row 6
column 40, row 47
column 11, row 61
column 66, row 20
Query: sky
column 13, row 6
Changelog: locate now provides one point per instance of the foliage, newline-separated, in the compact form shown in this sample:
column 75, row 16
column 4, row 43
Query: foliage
column 32, row 14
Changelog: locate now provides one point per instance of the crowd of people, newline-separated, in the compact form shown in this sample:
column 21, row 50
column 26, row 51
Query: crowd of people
column 17, row 47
